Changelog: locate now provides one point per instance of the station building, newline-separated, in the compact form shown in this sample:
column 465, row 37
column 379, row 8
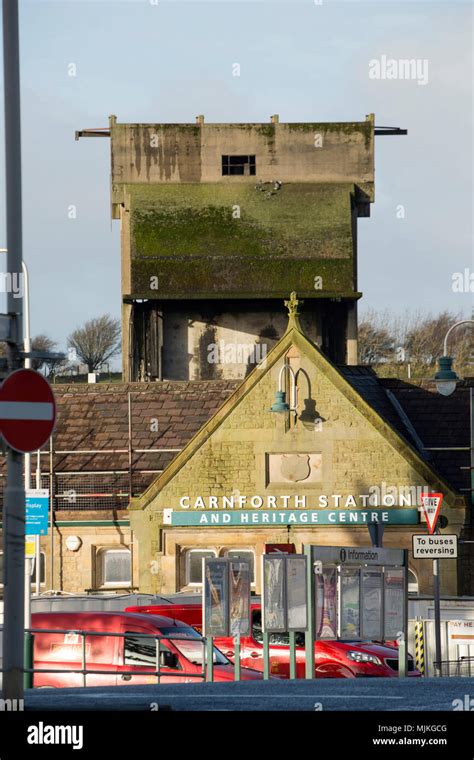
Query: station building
column 186, row 459
column 213, row 471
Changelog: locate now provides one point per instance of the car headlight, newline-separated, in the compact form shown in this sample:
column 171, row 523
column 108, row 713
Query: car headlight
column 363, row 657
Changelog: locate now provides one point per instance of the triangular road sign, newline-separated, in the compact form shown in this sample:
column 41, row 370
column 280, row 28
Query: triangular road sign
column 431, row 503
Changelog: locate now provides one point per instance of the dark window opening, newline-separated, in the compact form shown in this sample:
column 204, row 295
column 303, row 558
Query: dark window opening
column 243, row 165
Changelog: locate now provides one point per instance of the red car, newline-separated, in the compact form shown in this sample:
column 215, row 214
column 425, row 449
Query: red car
column 333, row 659
column 118, row 657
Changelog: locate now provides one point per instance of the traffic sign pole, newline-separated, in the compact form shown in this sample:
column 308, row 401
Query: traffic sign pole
column 14, row 507
column 431, row 504
column 437, row 615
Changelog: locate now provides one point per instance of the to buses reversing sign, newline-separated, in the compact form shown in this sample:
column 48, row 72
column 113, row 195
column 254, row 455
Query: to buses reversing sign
column 439, row 546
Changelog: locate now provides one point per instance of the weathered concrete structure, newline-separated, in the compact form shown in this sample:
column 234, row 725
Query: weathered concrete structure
column 219, row 222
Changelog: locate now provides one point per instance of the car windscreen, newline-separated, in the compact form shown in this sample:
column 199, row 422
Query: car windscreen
column 191, row 646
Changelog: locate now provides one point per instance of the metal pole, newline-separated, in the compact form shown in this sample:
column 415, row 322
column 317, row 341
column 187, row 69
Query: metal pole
column 84, row 658
column 209, row 659
column 14, row 516
column 310, row 633
column 266, row 655
column 292, row 655
column 28, row 560
column 38, row 542
column 237, row 658
column 51, row 513
column 403, row 644
column 158, row 659
column 472, row 451
column 437, row 616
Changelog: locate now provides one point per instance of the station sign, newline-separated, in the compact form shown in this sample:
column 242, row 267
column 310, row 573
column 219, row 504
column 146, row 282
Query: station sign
column 249, row 518
column 37, row 511
column 347, row 555
column 440, row 546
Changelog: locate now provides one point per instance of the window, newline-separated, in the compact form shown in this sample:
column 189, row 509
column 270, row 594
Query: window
column 115, row 567
column 33, row 577
column 247, row 554
column 412, row 583
column 243, row 165
column 139, row 651
column 190, row 645
column 194, row 558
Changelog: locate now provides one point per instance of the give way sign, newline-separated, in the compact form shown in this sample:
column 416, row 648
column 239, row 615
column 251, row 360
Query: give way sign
column 27, row 410
column 431, row 503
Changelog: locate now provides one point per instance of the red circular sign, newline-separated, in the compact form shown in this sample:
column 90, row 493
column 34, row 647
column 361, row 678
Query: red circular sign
column 27, row 410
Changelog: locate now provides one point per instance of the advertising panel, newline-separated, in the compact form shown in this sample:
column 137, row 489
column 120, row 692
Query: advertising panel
column 239, row 582
column 326, row 603
column 296, row 591
column 350, row 603
column 372, row 599
column 216, row 597
column 394, row 602
column 274, row 601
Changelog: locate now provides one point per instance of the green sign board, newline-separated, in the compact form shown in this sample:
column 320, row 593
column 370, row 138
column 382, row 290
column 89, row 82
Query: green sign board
column 247, row 518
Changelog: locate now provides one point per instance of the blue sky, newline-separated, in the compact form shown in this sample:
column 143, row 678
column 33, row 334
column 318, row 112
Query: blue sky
column 168, row 61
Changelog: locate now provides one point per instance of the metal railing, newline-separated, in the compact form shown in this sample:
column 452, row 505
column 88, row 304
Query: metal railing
column 463, row 666
column 159, row 672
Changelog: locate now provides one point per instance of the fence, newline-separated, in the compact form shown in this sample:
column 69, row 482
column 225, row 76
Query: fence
column 455, row 658
column 124, row 674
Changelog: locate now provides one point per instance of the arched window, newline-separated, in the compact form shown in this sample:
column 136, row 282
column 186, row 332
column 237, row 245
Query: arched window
column 412, row 582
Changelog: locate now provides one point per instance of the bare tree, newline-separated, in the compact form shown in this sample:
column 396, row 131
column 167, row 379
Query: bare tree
column 392, row 341
column 376, row 339
column 96, row 342
column 45, row 344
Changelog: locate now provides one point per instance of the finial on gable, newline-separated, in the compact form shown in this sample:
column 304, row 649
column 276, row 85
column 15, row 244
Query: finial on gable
column 293, row 311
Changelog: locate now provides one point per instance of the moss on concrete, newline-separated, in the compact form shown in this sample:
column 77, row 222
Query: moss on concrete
column 188, row 236
column 364, row 128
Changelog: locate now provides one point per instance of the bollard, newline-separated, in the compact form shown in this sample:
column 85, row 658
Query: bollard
column 29, row 648
column 419, row 647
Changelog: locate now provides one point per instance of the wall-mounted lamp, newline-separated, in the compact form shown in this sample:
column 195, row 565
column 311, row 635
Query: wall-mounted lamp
column 281, row 404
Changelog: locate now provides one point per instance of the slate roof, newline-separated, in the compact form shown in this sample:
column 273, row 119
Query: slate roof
column 432, row 420
column 95, row 417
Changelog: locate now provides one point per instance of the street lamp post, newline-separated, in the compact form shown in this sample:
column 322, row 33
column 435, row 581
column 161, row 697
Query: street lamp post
column 14, row 507
column 446, row 380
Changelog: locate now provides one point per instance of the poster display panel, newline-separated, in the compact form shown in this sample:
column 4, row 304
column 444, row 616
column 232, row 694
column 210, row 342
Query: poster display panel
column 216, row 597
column 326, row 603
column 296, row 592
column 239, row 583
column 274, row 596
column 350, row 603
column 372, row 604
column 394, row 602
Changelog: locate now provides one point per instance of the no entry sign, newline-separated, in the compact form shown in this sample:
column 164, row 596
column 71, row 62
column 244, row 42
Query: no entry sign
column 27, row 410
